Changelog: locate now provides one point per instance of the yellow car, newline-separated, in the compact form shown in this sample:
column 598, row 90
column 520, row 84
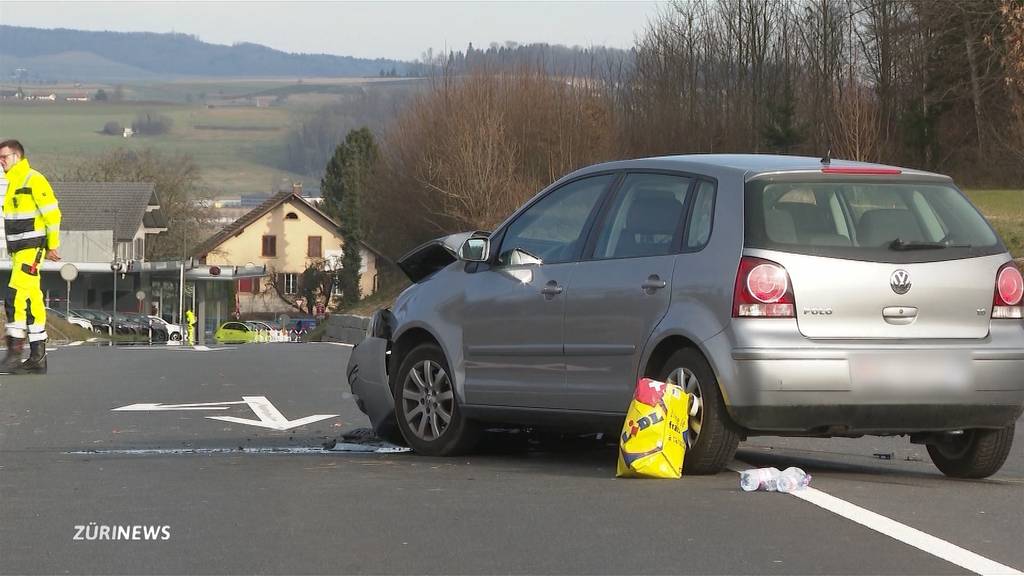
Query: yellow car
column 235, row 333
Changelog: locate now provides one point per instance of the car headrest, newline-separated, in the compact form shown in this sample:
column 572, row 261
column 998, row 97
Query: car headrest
column 881, row 226
column 654, row 212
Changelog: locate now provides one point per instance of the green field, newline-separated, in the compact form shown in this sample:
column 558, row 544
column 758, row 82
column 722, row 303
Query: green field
column 60, row 135
column 1005, row 210
column 239, row 149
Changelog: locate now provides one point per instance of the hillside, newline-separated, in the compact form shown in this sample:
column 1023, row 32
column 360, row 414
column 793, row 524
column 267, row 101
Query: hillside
column 57, row 55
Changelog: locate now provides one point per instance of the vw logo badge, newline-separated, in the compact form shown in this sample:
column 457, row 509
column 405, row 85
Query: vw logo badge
column 900, row 282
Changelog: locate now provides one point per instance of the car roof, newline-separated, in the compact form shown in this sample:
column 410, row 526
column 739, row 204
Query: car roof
column 745, row 165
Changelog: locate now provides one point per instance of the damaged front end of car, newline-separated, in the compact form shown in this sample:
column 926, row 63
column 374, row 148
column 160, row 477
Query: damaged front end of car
column 367, row 374
column 370, row 362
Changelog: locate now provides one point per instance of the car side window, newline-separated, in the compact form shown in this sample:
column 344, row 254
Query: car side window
column 645, row 217
column 699, row 230
column 553, row 228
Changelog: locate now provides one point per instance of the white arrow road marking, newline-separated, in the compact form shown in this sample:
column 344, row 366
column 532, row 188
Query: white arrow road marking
column 911, row 536
column 270, row 416
column 159, row 407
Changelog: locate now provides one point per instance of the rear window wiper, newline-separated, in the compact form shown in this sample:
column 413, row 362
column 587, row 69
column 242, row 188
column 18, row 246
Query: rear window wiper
column 898, row 244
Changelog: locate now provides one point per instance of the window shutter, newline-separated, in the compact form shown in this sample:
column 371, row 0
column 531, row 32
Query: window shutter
column 313, row 249
column 269, row 247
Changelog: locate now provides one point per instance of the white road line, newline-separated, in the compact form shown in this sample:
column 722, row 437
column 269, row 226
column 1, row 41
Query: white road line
column 911, row 536
column 339, row 344
column 175, row 348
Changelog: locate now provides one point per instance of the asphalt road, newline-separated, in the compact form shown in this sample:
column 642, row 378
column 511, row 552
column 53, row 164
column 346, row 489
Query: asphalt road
column 216, row 505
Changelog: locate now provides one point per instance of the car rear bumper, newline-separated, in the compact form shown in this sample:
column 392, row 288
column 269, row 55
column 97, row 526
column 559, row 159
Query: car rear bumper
column 776, row 381
column 368, row 378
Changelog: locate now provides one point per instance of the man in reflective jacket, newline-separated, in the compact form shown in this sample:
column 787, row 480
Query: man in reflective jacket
column 32, row 227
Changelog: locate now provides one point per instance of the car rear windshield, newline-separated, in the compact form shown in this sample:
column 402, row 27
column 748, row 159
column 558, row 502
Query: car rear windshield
column 873, row 221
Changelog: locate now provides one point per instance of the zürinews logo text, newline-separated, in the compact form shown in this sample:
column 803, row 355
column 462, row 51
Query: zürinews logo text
column 123, row 532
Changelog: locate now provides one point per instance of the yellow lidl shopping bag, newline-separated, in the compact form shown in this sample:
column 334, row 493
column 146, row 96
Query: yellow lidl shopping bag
column 651, row 444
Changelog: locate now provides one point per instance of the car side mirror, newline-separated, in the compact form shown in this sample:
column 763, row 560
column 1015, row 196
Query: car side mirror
column 475, row 250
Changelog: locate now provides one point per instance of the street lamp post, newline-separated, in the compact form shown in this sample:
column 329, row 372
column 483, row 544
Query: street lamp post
column 181, row 281
column 115, row 267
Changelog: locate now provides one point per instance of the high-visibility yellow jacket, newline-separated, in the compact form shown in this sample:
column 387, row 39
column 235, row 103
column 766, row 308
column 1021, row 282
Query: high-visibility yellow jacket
column 31, row 214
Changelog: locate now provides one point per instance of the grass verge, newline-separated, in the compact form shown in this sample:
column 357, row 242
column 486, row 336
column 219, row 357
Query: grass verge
column 1005, row 210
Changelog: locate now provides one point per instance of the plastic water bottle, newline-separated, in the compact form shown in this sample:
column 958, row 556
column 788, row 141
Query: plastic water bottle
column 792, row 479
column 760, row 479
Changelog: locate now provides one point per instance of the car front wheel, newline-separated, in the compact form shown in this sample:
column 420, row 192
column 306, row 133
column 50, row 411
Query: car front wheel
column 711, row 437
column 176, row 336
column 975, row 453
column 426, row 409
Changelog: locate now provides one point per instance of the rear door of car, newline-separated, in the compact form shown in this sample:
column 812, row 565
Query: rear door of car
column 877, row 258
column 622, row 288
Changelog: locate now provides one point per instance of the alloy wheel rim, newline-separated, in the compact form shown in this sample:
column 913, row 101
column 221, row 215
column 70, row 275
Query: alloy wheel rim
column 685, row 378
column 428, row 400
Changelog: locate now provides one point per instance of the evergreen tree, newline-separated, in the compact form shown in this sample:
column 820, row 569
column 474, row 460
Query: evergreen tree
column 342, row 187
column 781, row 131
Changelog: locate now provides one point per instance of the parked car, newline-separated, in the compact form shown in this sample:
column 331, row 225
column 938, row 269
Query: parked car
column 174, row 331
column 791, row 296
column 149, row 326
column 299, row 326
column 235, row 332
column 72, row 319
column 268, row 333
column 262, row 334
column 101, row 321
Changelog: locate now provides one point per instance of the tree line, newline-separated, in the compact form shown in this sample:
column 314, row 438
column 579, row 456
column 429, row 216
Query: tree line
column 930, row 84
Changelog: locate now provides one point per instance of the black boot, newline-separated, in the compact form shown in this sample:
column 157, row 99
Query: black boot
column 13, row 359
column 36, row 363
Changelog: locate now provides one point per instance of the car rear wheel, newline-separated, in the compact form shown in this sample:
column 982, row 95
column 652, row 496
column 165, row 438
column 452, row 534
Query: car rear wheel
column 711, row 438
column 426, row 409
column 976, row 453
column 176, row 336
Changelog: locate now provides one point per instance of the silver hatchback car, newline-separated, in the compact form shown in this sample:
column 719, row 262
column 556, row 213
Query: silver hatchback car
column 792, row 296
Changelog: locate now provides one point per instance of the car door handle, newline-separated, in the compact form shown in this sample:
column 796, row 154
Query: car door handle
column 551, row 289
column 653, row 283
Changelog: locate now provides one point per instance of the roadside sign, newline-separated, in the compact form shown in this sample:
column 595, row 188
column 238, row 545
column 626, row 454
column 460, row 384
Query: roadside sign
column 69, row 272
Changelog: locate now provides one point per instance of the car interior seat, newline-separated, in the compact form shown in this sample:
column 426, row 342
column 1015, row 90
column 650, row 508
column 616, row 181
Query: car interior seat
column 651, row 224
column 881, row 226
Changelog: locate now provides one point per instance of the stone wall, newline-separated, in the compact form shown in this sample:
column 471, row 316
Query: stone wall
column 346, row 329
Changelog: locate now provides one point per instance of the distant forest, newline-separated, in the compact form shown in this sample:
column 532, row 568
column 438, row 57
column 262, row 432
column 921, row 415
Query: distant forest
column 149, row 52
column 552, row 59
column 41, row 55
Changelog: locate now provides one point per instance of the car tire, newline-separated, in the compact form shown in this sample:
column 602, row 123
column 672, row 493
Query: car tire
column 176, row 336
column 977, row 453
column 424, row 398
column 711, row 438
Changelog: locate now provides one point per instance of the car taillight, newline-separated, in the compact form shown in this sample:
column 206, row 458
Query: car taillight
column 763, row 290
column 1006, row 302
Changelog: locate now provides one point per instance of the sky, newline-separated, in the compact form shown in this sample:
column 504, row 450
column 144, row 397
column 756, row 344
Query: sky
column 385, row 29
